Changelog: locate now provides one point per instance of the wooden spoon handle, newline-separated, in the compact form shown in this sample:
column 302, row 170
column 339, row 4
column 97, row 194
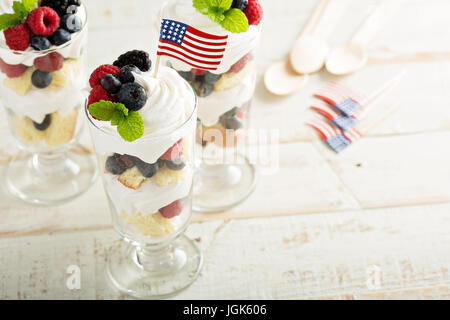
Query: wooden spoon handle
column 315, row 18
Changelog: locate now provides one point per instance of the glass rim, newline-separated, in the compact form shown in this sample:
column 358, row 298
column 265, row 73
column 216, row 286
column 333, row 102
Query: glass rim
column 148, row 136
column 54, row 49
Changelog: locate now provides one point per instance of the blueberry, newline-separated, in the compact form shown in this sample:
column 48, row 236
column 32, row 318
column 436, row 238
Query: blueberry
column 110, row 83
column 203, row 89
column 240, row 4
column 71, row 23
column 133, row 96
column 41, row 79
column 40, row 43
column 114, row 166
column 230, row 120
column 148, row 170
column 44, row 124
column 211, row 78
column 126, row 75
column 60, row 37
column 177, row 164
column 186, row 75
column 72, row 9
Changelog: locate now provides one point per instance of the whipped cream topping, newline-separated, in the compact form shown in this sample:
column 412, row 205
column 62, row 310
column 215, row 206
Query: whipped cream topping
column 72, row 49
column 238, row 44
column 6, row 6
column 149, row 198
column 168, row 117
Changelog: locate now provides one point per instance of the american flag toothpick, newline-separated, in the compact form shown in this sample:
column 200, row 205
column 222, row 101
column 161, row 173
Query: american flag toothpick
column 338, row 139
column 342, row 120
column 196, row 48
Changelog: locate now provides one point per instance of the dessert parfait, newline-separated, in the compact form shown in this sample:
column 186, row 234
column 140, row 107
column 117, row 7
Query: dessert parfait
column 41, row 64
column 42, row 53
column 143, row 128
column 224, row 94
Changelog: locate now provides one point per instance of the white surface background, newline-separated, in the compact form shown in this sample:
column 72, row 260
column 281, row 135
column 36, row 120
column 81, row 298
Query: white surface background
column 315, row 228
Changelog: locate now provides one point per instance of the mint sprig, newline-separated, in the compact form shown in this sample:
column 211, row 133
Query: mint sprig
column 21, row 12
column 220, row 11
column 129, row 124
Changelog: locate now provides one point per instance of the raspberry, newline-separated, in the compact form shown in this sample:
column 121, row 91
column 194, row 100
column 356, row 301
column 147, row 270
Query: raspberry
column 172, row 210
column 254, row 12
column 198, row 72
column 102, row 71
column 240, row 114
column 43, row 21
column 175, row 152
column 18, row 37
column 98, row 93
column 137, row 58
column 12, row 71
column 238, row 66
column 49, row 63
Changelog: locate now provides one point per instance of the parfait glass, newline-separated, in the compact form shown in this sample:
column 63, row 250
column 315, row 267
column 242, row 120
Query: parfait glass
column 225, row 177
column 150, row 202
column 46, row 123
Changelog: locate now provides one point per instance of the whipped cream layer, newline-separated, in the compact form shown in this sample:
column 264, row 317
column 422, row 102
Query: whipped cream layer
column 6, row 6
column 238, row 44
column 149, row 198
column 210, row 108
column 168, row 116
column 72, row 49
column 37, row 103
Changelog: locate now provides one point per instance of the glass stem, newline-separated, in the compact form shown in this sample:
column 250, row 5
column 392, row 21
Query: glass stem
column 49, row 163
column 158, row 259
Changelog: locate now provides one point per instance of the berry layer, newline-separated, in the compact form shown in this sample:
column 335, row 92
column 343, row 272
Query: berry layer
column 169, row 109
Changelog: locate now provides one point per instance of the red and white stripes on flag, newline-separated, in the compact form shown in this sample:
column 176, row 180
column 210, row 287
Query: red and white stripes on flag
column 325, row 129
column 336, row 92
column 328, row 131
column 196, row 48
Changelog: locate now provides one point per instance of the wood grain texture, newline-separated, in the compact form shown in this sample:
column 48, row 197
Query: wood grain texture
column 320, row 225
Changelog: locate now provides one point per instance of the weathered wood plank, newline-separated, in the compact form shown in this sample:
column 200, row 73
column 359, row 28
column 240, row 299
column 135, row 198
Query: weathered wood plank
column 286, row 257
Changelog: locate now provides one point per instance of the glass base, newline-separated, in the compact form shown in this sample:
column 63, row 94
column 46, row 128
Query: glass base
column 50, row 179
column 222, row 187
column 146, row 274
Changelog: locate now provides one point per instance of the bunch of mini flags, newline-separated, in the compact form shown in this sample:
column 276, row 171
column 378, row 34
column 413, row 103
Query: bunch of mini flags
column 339, row 110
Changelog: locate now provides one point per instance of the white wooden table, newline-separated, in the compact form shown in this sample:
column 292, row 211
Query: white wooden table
column 325, row 225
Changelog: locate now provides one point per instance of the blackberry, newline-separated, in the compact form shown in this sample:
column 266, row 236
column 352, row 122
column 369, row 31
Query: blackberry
column 60, row 6
column 137, row 58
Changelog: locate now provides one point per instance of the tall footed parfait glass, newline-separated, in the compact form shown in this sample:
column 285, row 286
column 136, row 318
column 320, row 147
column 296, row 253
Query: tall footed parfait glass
column 225, row 177
column 148, row 184
column 44, row 113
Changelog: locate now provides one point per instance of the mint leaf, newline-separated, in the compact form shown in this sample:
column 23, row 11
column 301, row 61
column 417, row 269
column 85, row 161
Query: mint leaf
column 29, row 4
column 9, row 20
column 215, row 15
column 117, row 118
column 235, row 21
column 104, row 110
column 202, row 6
column 132, row 127
column 20, row 10
column 223, row 5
